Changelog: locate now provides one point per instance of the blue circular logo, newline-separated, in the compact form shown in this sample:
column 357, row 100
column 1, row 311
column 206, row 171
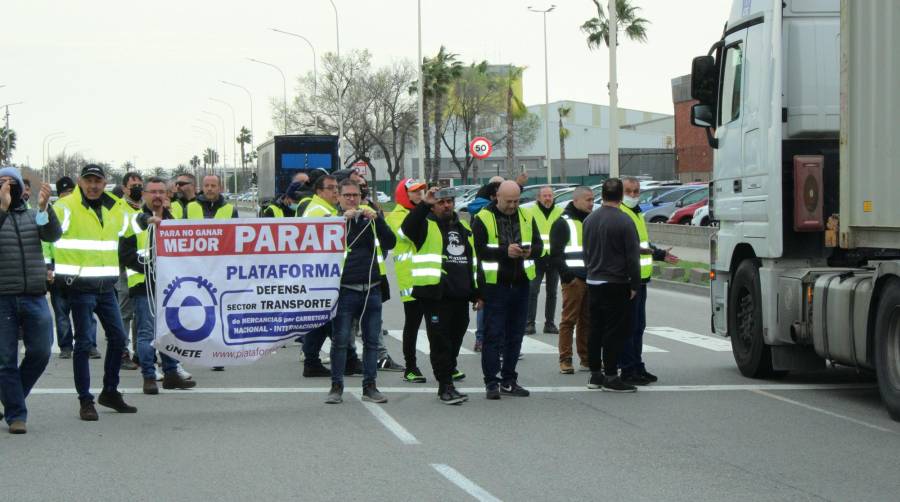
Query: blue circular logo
column 190, row 308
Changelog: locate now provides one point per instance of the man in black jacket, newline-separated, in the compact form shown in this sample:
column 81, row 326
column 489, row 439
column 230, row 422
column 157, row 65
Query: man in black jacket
column 612, row 259
column 361, row 293
column 436, row 230
column 566, row 253
column 505, row 271
column 23, row 289
column 135, row 258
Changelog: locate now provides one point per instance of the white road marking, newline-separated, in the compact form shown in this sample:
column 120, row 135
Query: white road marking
column 433, row 390
column 388, row 421
column 530, row 345
column 464, row 483
column 326, row 347
column 823, row 411
column 422, row 344
column 702, row 341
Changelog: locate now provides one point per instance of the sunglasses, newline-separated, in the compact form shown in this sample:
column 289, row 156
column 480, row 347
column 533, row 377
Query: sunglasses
column 183, row 183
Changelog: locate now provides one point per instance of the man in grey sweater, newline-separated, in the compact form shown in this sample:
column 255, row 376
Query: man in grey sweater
column 612, row 260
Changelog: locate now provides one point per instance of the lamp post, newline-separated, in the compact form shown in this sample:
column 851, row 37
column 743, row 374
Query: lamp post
column 421, row 102
column 215, row 140
column 45, row 159
column 50, row 145
column 315, row 65
column 546, row 94
column 233, row 139
column 337, row 33
column 8, row 135
column 284, row 88
column 250, row 97
column 224, row 146
column 613, row 91
column 209, row 137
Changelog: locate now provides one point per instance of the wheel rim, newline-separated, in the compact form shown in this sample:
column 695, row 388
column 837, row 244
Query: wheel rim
column 746, row 308
column 893, row 348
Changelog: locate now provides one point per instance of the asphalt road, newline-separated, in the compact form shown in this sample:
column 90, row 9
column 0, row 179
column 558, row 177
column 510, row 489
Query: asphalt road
column 262, row 432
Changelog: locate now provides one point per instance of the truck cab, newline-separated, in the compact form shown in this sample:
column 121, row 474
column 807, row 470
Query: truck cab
column 790, row 286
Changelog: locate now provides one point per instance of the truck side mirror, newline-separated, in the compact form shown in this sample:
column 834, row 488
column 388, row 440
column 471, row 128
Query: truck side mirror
column 704, row 80
column 702, row 116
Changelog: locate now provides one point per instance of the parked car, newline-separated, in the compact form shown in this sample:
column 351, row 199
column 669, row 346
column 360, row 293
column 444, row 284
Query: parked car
column 530, row 193
column 664, row 206
column 683, row 216
column 382, row 197
column 649, row 195
column 701, row 216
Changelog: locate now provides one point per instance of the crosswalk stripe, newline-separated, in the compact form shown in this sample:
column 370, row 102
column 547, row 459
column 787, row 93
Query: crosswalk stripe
column 422, row 344
column 697, row 340
column 326, row 347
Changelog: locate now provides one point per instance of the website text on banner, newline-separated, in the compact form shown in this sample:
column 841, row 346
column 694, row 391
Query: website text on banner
column 231, row 291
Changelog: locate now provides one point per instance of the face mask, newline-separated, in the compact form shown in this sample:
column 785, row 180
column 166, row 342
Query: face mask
column 135, row 192
column 631, row 202
column 294, row 206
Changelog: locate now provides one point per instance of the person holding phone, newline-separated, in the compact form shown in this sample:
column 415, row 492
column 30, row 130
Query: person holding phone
column 506, row 239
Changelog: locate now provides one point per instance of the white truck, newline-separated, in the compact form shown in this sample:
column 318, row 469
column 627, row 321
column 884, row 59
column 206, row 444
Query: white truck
column 801, row 102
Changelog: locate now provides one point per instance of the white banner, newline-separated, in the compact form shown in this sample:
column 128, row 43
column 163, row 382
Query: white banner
column 231, row 291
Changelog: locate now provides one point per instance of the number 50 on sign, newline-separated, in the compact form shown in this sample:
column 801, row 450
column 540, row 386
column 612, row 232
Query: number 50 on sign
column 481, row 148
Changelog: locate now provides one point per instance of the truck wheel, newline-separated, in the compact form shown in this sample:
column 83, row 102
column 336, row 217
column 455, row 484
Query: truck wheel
column 887, row 347
column 745, row 323
column 704, row 222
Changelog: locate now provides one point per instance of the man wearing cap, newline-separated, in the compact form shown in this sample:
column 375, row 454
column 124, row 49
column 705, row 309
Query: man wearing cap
column 23, row 287
column 408, row 194
column 87, row 260
column 444, row 275
column 210, row 204
column 545, row 213
column 286, row 205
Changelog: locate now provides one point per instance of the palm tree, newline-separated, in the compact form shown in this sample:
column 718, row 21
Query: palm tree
column 439, row 73
column 210, row 157
column 515, row 109
column 628, row 20
column 244, row 138
column 7, row 138
column 565, row 112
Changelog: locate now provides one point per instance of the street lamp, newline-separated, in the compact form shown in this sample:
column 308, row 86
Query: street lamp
column 421, row 103
column 546, row 93
column 250, row 96
column 215, row 140
column 8, row 135
column 209, row 137
column 224, row 135
column 613, row 22
column 284, row 87
column 44, row 156
column 233, row 140
column 313, row 49
column 337, row 34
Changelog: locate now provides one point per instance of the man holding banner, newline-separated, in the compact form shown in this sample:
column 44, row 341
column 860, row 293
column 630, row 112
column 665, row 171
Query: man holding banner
column 363, row 285
column 136, row 254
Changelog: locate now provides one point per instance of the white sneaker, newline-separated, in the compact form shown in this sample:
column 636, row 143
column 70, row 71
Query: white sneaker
column 159, row 374
column 183, row 373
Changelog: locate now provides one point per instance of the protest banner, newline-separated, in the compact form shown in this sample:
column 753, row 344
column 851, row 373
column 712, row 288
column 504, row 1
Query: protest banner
column 231, row 291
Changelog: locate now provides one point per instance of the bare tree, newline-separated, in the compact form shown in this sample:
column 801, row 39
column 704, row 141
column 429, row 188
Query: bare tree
column 393, row 114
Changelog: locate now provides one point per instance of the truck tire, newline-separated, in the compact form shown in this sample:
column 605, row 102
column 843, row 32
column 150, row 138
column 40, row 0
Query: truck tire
column 887, row 346
column 745, row 323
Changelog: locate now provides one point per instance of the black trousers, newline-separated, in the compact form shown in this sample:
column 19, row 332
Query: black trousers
column 412, row 319
column 446, row 322
column 610, row 325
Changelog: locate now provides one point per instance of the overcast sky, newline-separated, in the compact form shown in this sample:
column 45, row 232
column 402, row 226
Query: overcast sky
column 129, row 80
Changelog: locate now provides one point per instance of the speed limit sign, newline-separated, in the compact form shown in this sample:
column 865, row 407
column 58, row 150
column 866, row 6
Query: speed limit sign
column 481, row 148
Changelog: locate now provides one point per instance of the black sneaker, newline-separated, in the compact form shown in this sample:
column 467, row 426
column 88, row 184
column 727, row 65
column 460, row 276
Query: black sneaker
column 650, row 377
column 455, row 392
column 87, row 412
column 353, row 367
column 127, row 363
column 550, row 329
column 635, row 379
column 372, row 394
column 492, row 392
column 388, row 364
column 65, row 354
column 113, row 399
column 458, row 375
column 596, row 381
column 315, row 371
column 448, row 397
column 514, row 389
column 615, row 384
column 529, row 329
column 414, row 376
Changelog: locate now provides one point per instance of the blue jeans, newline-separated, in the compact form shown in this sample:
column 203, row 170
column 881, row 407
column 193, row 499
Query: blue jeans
column 16, row 381
column 479, row 326
column 353, row 304
column 504, row 327
column 106, row 306
column 145, row 322
column 59, row 300
column 313, row 341
column 630, row 359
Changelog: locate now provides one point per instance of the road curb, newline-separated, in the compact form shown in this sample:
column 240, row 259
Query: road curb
column 681, row 287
